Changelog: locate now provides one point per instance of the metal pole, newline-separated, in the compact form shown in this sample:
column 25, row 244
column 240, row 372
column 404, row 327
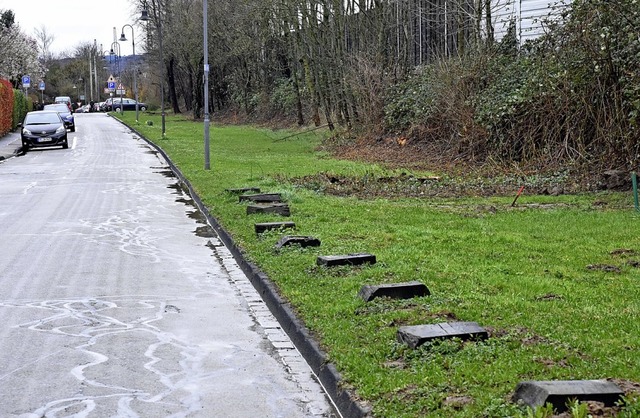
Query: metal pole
column 135, row 68
column 95, row 77
column 95, row 69
column 162, row 78
column 120, row 81
column 90, row 81
column 634, row 181
column 135, row 73
column 119, row 73
column 207, row 164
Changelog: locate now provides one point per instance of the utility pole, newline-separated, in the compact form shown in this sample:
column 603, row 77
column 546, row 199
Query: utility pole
column 207, row 164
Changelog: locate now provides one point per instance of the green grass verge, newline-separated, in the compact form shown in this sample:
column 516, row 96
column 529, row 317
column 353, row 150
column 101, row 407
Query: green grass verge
column 520, row 272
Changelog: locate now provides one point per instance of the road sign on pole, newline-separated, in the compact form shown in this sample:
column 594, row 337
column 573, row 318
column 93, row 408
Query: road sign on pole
column 41, row 85
column 111, row 83
column 26, row 81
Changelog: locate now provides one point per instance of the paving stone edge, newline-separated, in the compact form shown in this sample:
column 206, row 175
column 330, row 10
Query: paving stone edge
column 327, row 373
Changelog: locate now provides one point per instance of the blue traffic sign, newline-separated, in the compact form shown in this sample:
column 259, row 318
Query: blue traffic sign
column 41, row 85
column 26, row 81
column 111, row 85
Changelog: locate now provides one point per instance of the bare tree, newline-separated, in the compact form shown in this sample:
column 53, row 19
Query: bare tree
column 45, row 40
column 332, row 55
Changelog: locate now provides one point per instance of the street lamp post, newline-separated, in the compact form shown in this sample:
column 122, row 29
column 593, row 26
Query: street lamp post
column 91, row 51
column 135, row 68
column 207, row 165
column 112, row 52
column 145, row 17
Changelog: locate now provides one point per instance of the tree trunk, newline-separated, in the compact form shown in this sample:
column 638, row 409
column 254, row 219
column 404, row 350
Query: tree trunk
column 296, row 88
column 490, row 36
column 171, row 80
column 197, row 92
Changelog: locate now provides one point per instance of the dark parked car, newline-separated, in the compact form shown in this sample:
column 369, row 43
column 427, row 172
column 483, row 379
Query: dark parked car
column 43, row 128
column 65, row 113
column 127, row 104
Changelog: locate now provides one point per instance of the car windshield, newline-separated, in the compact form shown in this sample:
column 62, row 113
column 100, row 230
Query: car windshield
column 57, row 107
column 41, row 118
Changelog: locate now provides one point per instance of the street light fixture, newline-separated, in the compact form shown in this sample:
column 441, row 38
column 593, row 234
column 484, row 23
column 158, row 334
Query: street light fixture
column 135, row 68
column 145, row 17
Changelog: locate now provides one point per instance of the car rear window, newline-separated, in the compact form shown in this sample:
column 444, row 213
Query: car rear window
column 41, row 117
column 57, row 107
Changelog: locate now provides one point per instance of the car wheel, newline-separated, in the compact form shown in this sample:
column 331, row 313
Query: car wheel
column 143, row 108
column 118, row 110
column 65, row 145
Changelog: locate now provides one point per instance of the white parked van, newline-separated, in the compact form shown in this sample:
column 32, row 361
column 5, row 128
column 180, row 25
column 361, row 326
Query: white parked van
column 64, row 99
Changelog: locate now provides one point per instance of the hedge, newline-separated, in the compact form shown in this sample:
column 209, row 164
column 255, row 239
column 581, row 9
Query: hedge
column 21, row 105
column 6, row 107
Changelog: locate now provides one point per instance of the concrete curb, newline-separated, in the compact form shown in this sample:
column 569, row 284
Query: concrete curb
column 327, row 373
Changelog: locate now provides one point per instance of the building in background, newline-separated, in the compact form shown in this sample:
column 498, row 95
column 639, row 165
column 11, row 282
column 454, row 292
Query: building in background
column 529, row 16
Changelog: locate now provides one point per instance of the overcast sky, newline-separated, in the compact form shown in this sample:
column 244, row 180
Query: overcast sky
column 77, row 21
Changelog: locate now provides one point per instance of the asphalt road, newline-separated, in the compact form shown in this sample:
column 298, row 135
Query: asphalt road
column 116, row 300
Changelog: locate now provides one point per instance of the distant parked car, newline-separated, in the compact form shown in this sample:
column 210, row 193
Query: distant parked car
column 106, row 105
column 83, row 109
column 65, row 113
column 127, row 104
column 43, row 128
column 64, row 99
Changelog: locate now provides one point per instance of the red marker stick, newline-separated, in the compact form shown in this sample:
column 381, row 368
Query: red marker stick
column 517, row 196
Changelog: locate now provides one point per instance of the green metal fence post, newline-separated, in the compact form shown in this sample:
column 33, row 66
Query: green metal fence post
column 634, row 180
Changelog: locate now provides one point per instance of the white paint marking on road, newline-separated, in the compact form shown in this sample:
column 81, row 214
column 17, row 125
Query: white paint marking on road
column 29, row 187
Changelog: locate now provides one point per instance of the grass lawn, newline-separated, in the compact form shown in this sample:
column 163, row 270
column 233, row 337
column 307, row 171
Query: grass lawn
column 554, row 280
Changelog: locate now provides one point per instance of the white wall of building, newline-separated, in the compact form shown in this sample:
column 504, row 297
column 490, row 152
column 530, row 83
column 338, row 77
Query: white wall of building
column 528, row 15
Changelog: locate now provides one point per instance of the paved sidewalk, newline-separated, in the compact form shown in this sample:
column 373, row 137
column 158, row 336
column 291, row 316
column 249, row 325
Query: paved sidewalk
column 10, row 145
